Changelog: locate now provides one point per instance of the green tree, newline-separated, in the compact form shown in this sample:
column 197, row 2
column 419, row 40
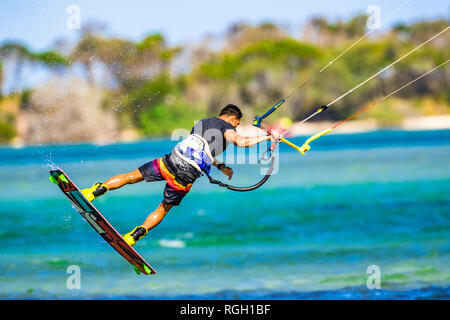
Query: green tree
column 21, row 55
column 7, row 131
column 129, row 63
column 18, row 53
column 1, row 79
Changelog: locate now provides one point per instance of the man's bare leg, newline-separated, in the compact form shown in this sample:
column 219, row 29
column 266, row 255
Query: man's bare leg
column 115, row 182
column 135, row 176
column 156, row 216
column 120, row 180
column 152, row 221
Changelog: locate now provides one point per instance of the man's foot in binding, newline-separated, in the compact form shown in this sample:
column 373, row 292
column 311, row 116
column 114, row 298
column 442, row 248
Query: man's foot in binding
column 95, row 191
column 135, row 235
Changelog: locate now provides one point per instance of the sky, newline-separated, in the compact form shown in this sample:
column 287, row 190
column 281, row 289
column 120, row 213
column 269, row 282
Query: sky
column 39, row 23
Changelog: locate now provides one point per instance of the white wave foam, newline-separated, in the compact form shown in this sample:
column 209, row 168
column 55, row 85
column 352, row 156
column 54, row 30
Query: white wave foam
column 171, row 243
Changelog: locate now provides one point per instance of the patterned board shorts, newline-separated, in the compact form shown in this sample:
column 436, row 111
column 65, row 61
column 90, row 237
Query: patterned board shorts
column 156, row 170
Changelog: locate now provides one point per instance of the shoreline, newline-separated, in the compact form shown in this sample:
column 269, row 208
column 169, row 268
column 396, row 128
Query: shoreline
column 441, row 122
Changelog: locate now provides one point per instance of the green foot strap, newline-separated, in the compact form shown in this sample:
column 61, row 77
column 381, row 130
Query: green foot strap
column 147, row 269
column 136, row 269
column 53, row 180
column 63, row 178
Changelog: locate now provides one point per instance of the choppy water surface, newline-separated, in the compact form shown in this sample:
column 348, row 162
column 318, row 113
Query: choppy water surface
column 311, row 232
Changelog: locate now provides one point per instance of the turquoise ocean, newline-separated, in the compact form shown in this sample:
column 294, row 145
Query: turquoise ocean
column 311, row 232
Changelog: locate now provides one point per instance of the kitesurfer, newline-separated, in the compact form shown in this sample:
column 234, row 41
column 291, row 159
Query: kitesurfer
column 183, row 165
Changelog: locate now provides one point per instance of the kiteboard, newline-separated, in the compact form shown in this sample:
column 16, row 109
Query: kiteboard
column 98, row 222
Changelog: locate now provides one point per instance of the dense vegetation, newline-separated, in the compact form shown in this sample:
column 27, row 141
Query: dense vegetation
column 155, row 88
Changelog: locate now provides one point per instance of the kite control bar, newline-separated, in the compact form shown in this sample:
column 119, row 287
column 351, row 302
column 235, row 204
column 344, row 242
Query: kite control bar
column 305, row 147
column 258, row 120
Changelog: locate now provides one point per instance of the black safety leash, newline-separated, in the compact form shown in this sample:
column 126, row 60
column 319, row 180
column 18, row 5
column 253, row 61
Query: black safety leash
column 243, row 189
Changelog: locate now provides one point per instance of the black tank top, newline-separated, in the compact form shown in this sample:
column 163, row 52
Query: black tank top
column 213, row 130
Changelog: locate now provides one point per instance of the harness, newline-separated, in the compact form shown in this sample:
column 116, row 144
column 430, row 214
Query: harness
column 195, row 150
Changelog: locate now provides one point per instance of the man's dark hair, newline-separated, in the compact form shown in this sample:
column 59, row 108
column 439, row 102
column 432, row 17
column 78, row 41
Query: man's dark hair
column 231, row 110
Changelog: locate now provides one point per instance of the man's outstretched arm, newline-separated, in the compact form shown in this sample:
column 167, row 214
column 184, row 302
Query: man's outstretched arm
column 240, row 141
